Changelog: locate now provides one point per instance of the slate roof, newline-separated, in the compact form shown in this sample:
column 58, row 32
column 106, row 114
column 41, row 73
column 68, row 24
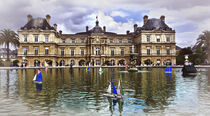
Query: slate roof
column 96, row 29
column 37, row 23
column 154, row 24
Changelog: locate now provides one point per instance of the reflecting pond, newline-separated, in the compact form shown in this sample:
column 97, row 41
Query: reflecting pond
column 78, row 92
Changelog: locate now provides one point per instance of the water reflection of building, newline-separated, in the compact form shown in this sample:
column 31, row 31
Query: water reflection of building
column 39, row 42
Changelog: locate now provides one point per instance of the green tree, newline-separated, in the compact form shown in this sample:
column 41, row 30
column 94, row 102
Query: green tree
column 7, row 38
column 203, row 41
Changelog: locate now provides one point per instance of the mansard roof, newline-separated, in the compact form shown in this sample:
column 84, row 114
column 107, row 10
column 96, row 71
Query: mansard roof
column 96, row 29
column 37, row 23
column 155, row 24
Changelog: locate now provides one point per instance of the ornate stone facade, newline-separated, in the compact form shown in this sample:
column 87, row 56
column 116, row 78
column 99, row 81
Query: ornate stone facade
column 39, row 42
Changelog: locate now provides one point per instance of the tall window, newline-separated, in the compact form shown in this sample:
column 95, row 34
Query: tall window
column 73, row 41
column 62, row 51
column 36, row 38
column 36, row 51
column 129, row 41
column 158, row 38
column 130, row 49
column 148, row 50
column 25, row 51
column 168, row 38
column 112, row 51
column 148, row 38
column 98, row 62
column 111, row 41
column 97, row 51
column 82, row 41
column 168, row 50
column 46, row 51
column 25, row 38
column 122, row 51
column 46, row 38
column 82, row 52
column 158, row 50
column 72, row 52
column 120, row 40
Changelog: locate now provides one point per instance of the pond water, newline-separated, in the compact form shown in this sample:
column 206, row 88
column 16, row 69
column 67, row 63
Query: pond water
column 78, row 92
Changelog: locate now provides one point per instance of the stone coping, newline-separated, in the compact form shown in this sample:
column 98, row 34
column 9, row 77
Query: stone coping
column 175, row 66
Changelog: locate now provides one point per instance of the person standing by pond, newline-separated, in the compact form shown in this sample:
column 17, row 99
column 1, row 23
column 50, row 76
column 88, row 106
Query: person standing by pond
column 39, row 75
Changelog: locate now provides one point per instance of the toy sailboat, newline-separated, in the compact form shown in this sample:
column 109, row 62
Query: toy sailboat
column 168, row 70
column 112, row 93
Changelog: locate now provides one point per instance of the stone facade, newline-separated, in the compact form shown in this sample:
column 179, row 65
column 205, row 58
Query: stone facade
column 40, row 42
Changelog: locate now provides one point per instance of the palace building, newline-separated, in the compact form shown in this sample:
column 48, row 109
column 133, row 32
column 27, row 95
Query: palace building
column 154, row 43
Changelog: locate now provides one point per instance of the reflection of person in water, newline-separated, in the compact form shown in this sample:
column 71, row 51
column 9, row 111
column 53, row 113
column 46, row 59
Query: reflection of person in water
column 38, row 87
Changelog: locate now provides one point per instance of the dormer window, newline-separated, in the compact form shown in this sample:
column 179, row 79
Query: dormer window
column 25, row 38
column 46, row 38
column 158, row 38
column 120, row 40
column 36, row 38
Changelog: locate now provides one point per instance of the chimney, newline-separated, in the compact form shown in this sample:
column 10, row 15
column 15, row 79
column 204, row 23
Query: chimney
column 29, row 17
column 55, row 26
column 162, row 18
column 60, row 32
column 145, row 19
column 48, row 18
column 86, row 28
column 127, row 32
column 104, row 28
column 135, row 27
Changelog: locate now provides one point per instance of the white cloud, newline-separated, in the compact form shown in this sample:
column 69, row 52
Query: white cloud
column 73, row 16
column 119, row 13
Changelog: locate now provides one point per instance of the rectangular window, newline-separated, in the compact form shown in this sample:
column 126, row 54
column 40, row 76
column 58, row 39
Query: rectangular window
column 82, row 41
column 62, row 51
column 36, row 38
column 168, row 50
column 158, row 50
column 122, row 51
column 36, row 51
column 25, row 38
column 148, row 38
column 82, row 52
column 112, row 52
column 130, row 49
column 63, row 41
column 72, row 52
column 120, row 40
column 158, row 38
column 129, row 41
column 46, row 51
column 97, row 51
column 98, row 62
column 25, row 51
column 73, row 41
column 46, row 38
column 148, row 50
column 111, row 41
column 168, row 38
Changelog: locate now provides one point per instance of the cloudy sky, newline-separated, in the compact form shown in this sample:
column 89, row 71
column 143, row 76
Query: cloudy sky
column 188, row 17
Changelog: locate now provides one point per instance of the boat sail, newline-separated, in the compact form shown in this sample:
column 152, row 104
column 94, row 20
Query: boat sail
column 34, row 79
column 112, row 92
column 109, row 90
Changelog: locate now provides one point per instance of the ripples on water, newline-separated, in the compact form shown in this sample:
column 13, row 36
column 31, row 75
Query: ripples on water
column 77, row 92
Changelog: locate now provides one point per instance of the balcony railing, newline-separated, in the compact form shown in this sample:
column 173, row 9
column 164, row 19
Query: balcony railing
column 37, row 55
column 155, row 54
